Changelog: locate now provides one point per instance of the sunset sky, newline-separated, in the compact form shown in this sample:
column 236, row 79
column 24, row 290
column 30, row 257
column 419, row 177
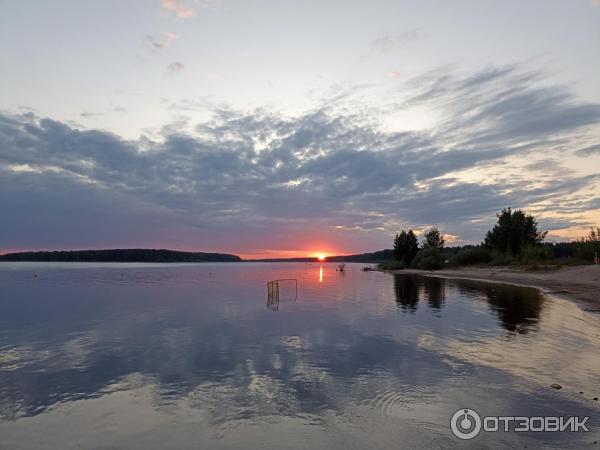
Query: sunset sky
column 281, row 128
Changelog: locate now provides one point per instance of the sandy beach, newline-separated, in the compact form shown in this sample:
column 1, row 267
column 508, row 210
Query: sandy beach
column 580, row 284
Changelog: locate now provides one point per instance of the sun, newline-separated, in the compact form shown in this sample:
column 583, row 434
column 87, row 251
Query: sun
column 321, row 256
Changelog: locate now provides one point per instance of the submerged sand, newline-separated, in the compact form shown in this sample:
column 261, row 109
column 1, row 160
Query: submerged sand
column 578, row 283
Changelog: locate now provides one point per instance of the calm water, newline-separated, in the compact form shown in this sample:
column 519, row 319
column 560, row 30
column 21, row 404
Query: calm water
column 197, row 356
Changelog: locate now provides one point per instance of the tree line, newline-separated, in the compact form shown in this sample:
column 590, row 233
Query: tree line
column 514, row 239
column 120, row 255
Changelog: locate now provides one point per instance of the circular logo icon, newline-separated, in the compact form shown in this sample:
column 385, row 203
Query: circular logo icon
column 465, row 424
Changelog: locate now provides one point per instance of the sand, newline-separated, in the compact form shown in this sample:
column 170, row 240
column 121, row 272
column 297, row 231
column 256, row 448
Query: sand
column 580, row 284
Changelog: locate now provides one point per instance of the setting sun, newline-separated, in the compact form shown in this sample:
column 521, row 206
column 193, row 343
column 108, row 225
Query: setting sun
column 321, row 256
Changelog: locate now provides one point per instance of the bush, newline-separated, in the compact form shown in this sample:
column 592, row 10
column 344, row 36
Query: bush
column 589, row 246
column 502, row 259
column 428, row 259
column 564, row 250
column 587, row 250
column 391, row 265
column 470, row 256
column 534, row 255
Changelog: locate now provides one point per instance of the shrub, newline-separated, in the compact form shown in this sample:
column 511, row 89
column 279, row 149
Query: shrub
column 534, row 255
column 586, row 251
column 589, row 246
column 502, row 259
column 564, row 250
column 470, row 256
column 391, row 265
column 428, row 259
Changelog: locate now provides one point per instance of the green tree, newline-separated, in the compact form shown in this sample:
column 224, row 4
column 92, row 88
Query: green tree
column 433, row 239
column 514, row 231
column 406, row 246
column 400, row 245
column 413, row 247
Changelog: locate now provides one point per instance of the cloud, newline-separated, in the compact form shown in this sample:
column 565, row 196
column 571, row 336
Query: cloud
column 175, row 67
column 161, row 43
column 390, row 42
column 89, row 114
column 589, row 151
column 185, row 9
column 244, row 180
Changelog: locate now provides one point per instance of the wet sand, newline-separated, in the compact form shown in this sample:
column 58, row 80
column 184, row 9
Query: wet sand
column 580, row 284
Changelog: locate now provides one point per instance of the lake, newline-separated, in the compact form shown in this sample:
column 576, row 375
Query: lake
column 153, row 356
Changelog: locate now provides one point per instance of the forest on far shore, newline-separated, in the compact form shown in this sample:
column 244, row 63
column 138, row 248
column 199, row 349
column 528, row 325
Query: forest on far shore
column 120, row 255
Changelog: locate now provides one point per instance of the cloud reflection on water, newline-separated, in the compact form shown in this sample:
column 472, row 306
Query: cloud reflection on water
column 207, row 345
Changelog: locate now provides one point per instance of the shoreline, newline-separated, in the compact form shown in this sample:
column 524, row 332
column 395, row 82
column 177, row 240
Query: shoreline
column 579, row 284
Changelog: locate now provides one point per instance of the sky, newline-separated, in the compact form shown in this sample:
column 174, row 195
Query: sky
column 281, row 128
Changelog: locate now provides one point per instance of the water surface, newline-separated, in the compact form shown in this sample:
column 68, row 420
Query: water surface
column 154, row 356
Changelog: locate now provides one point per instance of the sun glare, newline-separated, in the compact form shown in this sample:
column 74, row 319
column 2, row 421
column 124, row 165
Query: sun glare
column 320, row 256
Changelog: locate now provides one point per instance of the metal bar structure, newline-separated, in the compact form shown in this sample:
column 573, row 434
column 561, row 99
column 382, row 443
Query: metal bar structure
column 273, row 292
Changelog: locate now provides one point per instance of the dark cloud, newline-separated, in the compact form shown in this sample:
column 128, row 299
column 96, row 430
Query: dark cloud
column 262, row 178
column 501, row 106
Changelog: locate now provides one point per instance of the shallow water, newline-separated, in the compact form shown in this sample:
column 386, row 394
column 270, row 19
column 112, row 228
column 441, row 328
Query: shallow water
column 199, row 356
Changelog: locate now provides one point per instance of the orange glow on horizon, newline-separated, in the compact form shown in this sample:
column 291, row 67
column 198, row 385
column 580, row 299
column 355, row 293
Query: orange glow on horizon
column 324, row 252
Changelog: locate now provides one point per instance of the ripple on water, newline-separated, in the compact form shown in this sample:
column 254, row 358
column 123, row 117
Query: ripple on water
column 390, row 401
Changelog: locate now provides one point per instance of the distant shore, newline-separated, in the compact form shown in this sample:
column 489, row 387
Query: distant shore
column 137, row 255
column 580, row 284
